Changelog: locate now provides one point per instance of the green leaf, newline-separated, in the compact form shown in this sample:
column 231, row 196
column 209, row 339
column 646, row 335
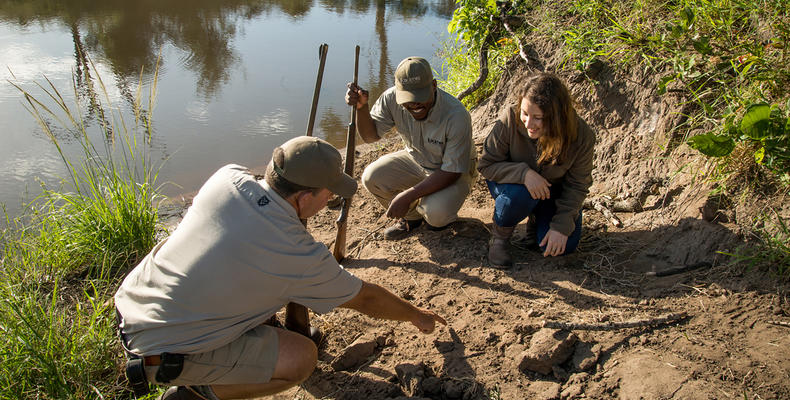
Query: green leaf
column 662, row 84
column 712, row 145
column 703, row 45
column 759, row 155
column 687, row 17
column 757, row 120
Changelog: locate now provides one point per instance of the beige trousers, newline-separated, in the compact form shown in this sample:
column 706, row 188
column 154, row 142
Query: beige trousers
column 396, row 172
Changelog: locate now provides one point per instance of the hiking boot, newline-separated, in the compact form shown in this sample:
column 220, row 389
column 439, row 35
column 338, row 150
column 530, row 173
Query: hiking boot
column 529, row 239
column 181, row 393
column 401, row 229
column 498, row 254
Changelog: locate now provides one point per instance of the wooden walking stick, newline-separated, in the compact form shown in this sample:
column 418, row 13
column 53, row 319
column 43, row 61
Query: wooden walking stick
column 297, row 318
column 322, row 50
column 339, row 250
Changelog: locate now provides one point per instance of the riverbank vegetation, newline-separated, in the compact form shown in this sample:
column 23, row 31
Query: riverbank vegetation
column 63, row 259
column 726, row 61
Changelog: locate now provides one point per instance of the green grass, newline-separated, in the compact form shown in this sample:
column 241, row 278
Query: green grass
column 63, row 259
column 769, row 248
column 461, row 67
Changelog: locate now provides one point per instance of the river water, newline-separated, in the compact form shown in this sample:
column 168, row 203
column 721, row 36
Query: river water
column 235, row 78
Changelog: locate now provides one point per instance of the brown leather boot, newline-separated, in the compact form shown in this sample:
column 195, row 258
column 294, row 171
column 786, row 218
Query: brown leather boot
column 498, row 254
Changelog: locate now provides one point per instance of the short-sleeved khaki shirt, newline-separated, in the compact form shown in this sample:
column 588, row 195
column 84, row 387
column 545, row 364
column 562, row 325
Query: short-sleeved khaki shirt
column 239, row 255
column 442, row 141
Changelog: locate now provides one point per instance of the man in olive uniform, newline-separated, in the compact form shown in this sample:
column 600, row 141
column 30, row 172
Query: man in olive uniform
column 429, row 180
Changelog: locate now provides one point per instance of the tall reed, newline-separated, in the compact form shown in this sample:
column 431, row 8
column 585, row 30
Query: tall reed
column 62, row 259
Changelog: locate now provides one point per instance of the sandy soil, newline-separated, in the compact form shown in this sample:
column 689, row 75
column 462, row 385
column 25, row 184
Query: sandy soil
column 723, row 344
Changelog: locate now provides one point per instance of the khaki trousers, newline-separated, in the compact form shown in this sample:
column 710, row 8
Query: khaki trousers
column 396, row 172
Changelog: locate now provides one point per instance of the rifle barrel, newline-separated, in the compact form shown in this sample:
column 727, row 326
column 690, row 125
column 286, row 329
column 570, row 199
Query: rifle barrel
column 339, row 251
column 322, row 50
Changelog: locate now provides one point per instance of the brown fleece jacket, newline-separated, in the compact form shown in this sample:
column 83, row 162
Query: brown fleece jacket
column 508, row 153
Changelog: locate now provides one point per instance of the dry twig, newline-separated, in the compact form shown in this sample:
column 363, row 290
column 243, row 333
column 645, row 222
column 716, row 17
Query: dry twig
column 521, row 51
column 610, row 326
column 603, row 209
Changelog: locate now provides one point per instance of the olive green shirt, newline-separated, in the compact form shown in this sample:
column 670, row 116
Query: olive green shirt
column 508, row 153
column 443, row 140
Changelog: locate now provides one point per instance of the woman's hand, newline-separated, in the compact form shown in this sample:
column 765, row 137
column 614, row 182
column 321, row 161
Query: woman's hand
column 537, row 186
column 426, row 321
column 555, row 243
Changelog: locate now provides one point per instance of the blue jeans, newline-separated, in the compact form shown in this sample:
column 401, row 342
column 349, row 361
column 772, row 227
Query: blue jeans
column 513, row 204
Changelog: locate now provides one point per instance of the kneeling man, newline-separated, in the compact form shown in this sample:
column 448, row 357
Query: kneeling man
column 194, row 309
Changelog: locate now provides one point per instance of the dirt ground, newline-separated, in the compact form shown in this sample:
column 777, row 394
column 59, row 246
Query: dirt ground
column 723, row 343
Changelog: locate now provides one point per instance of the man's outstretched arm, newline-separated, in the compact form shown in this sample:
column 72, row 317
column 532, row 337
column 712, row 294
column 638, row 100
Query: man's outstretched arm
column 377, row 302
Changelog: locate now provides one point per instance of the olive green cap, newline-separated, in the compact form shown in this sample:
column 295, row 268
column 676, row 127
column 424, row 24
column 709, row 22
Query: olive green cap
column 314, row 163
column 413, row 81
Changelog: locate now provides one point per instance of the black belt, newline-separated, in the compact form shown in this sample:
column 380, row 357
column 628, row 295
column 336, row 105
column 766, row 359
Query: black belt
column 170, row 365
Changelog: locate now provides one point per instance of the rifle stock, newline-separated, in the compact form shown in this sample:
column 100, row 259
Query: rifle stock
column 339, row 251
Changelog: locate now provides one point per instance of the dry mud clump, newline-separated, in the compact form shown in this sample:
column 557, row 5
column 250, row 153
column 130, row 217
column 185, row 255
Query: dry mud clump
column 721, row 343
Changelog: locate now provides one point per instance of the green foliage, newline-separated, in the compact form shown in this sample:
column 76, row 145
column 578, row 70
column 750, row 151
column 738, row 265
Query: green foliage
column 722, row 55
column 472, row 21
column 764, row 126
column 460, row 66
column 105, row 214
column 60, row 263
column 477, row 23
column 712, row 145
column 773, row 250
column 55, row 350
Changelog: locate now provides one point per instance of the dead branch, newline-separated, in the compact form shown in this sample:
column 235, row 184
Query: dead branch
column 679, row 269
column 483, row 56
column 611, row 326
column 780, row 323
column 603, row 209
column 510, row 30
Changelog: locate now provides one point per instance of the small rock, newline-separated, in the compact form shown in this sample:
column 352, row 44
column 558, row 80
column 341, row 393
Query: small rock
column 514, row 353
column 542, row 390
column 585, row 356
column 578, row 377
column 532, row 313
column 548, row 347
column 356, row 353
column 572, row 391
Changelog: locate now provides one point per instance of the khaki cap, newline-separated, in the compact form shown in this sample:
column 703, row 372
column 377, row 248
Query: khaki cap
column 413, row 81
column 314, row 163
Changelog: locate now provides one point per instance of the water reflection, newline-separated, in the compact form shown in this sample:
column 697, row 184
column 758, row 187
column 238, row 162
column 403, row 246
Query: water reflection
column 235, row 76
column 129, row 34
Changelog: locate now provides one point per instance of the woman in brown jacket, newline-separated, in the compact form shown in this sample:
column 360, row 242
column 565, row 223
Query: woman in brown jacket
column 537, row 160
